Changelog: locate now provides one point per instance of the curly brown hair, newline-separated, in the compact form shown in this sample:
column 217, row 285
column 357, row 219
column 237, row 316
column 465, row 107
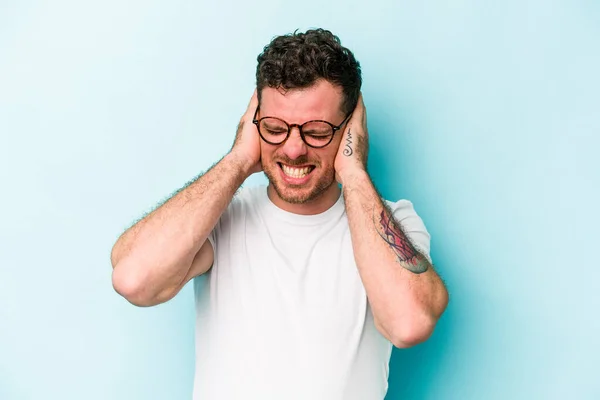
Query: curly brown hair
column 298, row 60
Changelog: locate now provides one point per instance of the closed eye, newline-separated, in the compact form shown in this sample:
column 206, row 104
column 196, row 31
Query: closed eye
column 275, row 131
column 318, row 136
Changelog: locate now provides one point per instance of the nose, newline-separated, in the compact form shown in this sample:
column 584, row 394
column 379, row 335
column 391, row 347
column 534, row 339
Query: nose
column 294, row 146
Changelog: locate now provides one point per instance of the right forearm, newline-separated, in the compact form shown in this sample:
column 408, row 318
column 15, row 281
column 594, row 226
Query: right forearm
column 159, row 249
column 154, row 258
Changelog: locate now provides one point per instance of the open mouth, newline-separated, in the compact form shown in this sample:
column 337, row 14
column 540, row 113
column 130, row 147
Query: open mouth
column 296, row 172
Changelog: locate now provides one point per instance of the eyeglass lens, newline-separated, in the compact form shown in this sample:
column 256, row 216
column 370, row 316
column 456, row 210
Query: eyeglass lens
column 315, row 133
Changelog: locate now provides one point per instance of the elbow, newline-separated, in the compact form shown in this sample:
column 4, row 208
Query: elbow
column 417, row 328
column 411, row 333
column 127, row 283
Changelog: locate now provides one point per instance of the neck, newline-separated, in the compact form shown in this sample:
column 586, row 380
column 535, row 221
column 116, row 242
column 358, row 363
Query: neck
column 312, row 207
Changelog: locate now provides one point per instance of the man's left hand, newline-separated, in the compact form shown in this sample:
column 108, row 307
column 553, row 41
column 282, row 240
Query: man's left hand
column 352, row 154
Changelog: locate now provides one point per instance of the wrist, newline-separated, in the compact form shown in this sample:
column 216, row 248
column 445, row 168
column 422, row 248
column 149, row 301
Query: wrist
column 352, row 176
column 243, row 165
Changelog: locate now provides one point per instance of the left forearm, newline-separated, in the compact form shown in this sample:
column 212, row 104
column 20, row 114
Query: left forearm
column 406, row 295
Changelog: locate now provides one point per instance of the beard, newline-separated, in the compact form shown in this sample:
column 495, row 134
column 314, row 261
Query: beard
column 299, row 194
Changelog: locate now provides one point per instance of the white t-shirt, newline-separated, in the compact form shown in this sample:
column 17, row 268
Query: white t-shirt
column 282, row 313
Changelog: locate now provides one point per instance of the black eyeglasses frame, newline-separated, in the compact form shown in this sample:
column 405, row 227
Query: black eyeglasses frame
column 299, row 126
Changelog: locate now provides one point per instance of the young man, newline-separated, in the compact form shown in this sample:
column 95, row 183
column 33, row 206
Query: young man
column 301, row 287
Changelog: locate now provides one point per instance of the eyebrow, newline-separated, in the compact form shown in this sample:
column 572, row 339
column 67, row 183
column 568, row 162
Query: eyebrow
column 269, row 124
column 265, row 115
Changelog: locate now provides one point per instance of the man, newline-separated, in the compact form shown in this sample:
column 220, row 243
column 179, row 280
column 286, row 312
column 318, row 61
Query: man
column 301, row 287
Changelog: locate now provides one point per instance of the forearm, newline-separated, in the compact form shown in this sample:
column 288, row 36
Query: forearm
column 406, row 295
column 156, row 253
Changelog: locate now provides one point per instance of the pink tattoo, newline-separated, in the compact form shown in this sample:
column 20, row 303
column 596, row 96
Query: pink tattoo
column 408, row 256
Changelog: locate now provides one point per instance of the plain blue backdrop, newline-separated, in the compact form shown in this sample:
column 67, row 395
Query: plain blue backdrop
column 486, row 115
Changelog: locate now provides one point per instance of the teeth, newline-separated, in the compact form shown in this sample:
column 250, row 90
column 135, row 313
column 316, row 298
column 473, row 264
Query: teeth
column 295, row 172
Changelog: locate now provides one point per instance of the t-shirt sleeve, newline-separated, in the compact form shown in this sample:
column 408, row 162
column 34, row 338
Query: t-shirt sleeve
column 412, row 225
column 224, row 222
column 212, row 236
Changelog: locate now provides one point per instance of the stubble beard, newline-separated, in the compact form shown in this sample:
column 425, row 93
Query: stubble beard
column 292, row 193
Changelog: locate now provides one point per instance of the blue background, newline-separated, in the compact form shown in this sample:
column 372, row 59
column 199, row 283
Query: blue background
column 485, row 114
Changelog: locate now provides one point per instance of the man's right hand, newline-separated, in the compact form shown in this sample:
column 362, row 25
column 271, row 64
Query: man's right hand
column 246, row 147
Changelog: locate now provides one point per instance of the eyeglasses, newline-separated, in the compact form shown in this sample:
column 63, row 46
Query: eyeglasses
column 315, row 133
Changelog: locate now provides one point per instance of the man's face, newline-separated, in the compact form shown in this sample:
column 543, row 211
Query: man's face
column 299, row 173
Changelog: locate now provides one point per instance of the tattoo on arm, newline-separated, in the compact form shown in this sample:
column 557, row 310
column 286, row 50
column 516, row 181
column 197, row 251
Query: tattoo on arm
column 348, row 147
column 408, row 257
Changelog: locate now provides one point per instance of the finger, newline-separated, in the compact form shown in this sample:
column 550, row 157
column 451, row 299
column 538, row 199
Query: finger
column 360, row 106
column 253, row 104
column 357, row 113
column 361, row 110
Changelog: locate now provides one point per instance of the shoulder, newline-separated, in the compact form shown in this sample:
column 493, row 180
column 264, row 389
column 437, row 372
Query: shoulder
column 402, row 209
column 244, row 200
column 250, row 193
column 404, row 212
column 402, row 204
column 243, row 195
column 244, row 204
